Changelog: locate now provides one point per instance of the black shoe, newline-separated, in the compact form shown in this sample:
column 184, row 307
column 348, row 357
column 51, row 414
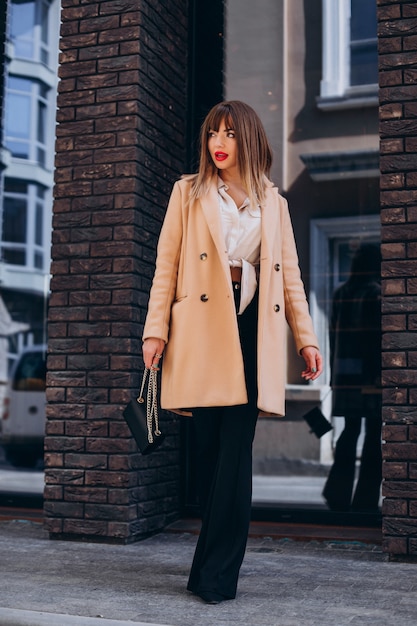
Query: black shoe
column 211, row 598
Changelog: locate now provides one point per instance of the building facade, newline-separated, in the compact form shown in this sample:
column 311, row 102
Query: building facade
column 27, row 161
column 135, row 80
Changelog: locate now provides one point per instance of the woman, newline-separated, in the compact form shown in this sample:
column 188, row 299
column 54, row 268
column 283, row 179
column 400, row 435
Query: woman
column 355, row 363
column 226, row 279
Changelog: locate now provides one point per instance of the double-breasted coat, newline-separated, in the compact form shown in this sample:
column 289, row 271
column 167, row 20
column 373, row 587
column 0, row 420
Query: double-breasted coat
column 191, row 305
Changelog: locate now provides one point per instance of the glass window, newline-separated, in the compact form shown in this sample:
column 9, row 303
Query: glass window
column 14, row 220
column 26, row 101
column 30, row 374
column 363, row 43
column 14, row 257
column 39, row 223
column 349, row 49
column 334, row 204
column 29, row 29
column 41, row 133
column 23, row 224
column 22, row 28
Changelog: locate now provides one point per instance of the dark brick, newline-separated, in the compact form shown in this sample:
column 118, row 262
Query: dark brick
column 86, row 461
column 412, row 356
column 394, row 507
column 114, row 132
column 401, row 452
column 400, row 526
column 393, row 287
column 64, row 477
column 392, row 470
column 395, row 545
column 399, row 414
column 394, row 433
column 85, row 494
column 84, row 528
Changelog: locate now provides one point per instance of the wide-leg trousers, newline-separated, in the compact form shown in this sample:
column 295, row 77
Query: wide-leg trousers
column 224, row 438
column 340, row 482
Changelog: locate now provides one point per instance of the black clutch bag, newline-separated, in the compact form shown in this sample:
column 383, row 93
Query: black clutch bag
column 319, row 425
column 141, row 416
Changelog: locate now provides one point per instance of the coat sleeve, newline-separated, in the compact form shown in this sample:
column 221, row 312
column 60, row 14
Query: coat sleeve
column 164, row 283
column 296, row 306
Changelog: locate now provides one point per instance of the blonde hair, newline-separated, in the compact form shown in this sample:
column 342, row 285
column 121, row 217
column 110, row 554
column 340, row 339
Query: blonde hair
column 254, row 154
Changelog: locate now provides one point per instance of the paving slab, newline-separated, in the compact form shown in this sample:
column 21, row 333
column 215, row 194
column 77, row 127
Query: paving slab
column 16, row 617
column 282, row 583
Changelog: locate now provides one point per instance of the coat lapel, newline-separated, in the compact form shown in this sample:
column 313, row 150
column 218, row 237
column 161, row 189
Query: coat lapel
column 270, row 216
column 210, row 207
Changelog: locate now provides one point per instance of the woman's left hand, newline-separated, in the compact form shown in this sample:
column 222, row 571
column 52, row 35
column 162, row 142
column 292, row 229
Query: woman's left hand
column 314, row 363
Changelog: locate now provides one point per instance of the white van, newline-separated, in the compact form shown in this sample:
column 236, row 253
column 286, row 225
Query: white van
column 22, row 424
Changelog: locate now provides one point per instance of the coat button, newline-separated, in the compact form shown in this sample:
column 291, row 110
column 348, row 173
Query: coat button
column 204, row 297
column 277, row 267
column 276, row 308
column 203, row 256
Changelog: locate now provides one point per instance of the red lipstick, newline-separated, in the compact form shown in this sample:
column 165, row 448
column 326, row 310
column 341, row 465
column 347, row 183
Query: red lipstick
column 220, row 156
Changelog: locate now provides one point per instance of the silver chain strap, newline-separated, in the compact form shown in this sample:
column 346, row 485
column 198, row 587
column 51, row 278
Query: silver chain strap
column 151, row 402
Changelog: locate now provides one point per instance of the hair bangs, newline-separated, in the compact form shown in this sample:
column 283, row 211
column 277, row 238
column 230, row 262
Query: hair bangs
column 218, row 115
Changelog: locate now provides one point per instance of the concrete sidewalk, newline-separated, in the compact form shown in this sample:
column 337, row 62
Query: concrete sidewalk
column 283, row 583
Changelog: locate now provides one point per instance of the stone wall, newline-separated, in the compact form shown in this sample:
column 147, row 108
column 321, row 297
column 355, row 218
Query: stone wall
column 398, row 130
column 120, row 145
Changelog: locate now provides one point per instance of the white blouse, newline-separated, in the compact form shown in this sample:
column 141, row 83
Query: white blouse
column 242, row 234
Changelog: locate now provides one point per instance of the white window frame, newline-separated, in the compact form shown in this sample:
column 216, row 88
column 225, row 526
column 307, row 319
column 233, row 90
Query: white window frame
column 335, row 89
column 36, row 100
column 41, row 50
column 30, row 246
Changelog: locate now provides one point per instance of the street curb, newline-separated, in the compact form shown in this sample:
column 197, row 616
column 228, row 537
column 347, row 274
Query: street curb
column 17, row 617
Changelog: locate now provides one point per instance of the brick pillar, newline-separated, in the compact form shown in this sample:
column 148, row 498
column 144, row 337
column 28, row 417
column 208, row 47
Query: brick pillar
column 398, row 129
column 120, row 145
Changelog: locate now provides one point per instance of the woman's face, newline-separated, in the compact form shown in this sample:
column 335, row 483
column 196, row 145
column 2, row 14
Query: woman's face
column 222, row 146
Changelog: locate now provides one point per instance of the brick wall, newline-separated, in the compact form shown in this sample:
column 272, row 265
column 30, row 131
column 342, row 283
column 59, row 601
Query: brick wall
column 398, row 129
column 120, row 144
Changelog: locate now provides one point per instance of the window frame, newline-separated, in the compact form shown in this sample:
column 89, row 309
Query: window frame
column 35, row 205
column 38, row 105
column 335, row 88
column 41, row 49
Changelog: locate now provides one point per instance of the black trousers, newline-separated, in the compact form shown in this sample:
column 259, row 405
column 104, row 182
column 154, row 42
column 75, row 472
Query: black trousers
column 339, row 485
column 224, row 438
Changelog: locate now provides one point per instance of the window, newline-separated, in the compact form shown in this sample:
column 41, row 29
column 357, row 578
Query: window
column 25, row 121
column 363, row 43
column 331, row 244
column 23, row 224
column 29, row 29
column 30, row 374
column 350, row 60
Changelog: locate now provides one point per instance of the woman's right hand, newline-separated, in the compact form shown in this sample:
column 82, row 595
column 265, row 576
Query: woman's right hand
column 152, row 350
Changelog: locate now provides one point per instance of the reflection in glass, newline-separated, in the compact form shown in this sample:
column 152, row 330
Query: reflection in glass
column 29, row 29
column 26, row 119
column 363, row 34
column 14, row 257
column 22, row 24
column 18, row 115
column 14, row 220
column 355, row 361
column 38, row 223
column 23, row 224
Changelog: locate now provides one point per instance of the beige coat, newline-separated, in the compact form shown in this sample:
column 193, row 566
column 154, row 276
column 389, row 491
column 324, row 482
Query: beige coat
column 191, row 306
